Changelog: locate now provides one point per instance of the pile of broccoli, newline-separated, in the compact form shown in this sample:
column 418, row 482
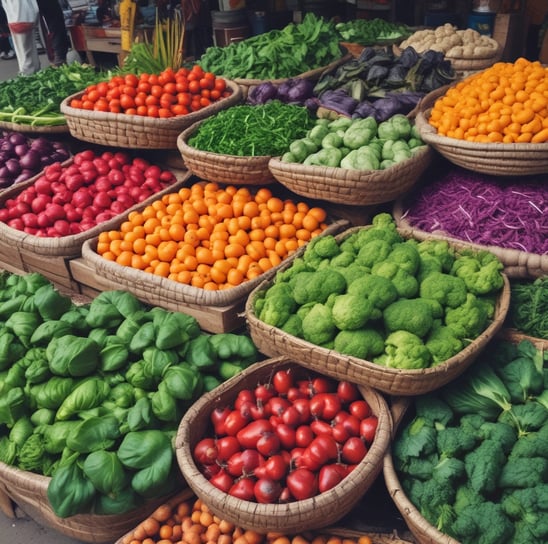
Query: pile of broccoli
column 473, row 456
column 374, row 295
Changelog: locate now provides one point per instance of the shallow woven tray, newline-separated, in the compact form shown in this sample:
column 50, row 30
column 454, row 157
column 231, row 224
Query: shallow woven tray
column 64, row 246
column 230, row 169
column 29, row 492
column 19, row 127
column 351, row 187
column 247, row 84
column 272, row 341
column 297, row 516
column 153, row 289
column 488, row 158
column 135, row 131
column 517, row 264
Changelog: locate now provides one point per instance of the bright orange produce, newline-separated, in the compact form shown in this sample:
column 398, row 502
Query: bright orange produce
column 167, row 94
column 191, row 522
column 507, row 102
column 212, row 237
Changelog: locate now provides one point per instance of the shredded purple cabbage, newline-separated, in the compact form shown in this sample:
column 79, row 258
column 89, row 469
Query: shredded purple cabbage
column 511, row 213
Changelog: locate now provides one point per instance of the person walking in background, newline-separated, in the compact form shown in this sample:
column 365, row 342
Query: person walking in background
column 56, row 31
column 6, row 52
column 22, row 17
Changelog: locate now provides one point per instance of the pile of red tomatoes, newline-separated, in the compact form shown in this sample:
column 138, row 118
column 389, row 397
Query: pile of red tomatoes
column 287, row 440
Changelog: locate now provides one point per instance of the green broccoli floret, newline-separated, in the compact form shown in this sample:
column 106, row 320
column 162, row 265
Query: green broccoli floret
column 403, row 349
column 293, row 326
column 351, row 312
column 416, row 439
column 533, row 444
column 318, row 326
column 379, row 290
column 434, row 409
column 468, row 320
column 406, row 284
column 276, row 289
column 413, row 315
column 317, row 286
column 436, row 504
column 483, row 523
column 454, row 442
column 442, row 343
column 406, row 256
column 373, row 252
column 484, row 465
column 505, row 435
column 363, row 343
column 382, row 227
column 520, row 472
column 428, row 265
column 528, row 509
column 297, row 265
column 320, row 248
column 276, row 309
column 439, row 250
column 446, row 289
column 481, row 271
column 343, row 260
column 353, row 272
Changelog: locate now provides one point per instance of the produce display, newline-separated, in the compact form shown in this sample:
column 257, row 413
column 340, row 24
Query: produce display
column 277, row 54
column 377, row 296
column 371, row 31
column 167, row 94
column 92, row 394
column 295, row 90
column 212, row 237
column 483, row 209
column 286, row 440
column 35, row 100
column 473, row 457
column 380, row 83
column 504, row 103
column 191, row 521
column 252, row 130
column 72, row 198
column 356, row 144
column 529, row 307
column 453, row 42
column 22, row 158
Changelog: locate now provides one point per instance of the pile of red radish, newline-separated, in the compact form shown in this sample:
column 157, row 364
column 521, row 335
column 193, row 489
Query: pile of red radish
column 22, row 158
column 72, row 198
column 286, row 440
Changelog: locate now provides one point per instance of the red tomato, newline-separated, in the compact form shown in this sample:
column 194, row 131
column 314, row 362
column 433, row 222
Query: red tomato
column 368, row 428
column 303, row 407
column 205, row 451
column 218, row 417
column 249, row 435
column 226, row 447
column 242, row 488
column 286, row 434
column 320, row 427
column 222, row 480
column 353, row 450
column 295, row 393
column 321, row 450
column 276, row 467
column 268, row 444
column 234, row 422
column 322, row 384
column 325, row 406
column 244, row 462
column 267, row 491
column 245, row 395
column 330, row 475
column 360, row 409
column 347, row 391
column 264, row 392
column 303, row 436
column 291, row 416
column 302, row 483
column 282, row 381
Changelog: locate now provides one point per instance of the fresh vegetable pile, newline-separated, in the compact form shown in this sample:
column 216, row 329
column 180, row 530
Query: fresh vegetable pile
column 246, row 130
column 379, row 83
column 356, row 144
column 371, row 31
column 212, row 237
column 69, row 199
column 295, row 90
column 288, row 439
column 484, row 209
column 503, row 103
column 22, row 158
column 192, row 521
column 167, row 94
column 36, row 99
column 373, row 295
column 474, row 457
column 92, row 394
column 277, row 54
column 528, row 311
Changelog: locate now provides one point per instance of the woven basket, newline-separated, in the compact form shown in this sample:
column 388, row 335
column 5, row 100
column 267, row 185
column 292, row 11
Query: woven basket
column 297, row 516
column 352, row 187
column 515, row 336
column 29, row 492
column 517, row 264
column 220, row 168
column 488, row 158
column 272, row 341
column 135, row 131
column 313, row 75
column 155, row 289
column 31, row 129
column 65, row 246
